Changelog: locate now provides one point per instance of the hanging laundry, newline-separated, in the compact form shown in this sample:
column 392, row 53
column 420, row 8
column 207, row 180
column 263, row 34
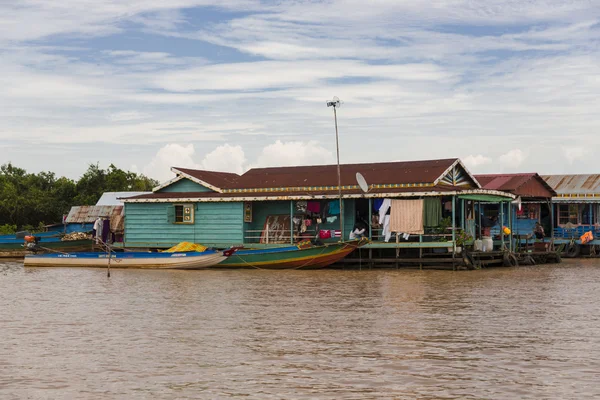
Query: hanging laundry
column 383, row 209
column 105, row 230
column 307, row 222
column 336, row 233
column 377, row 204
column 301, row 206
column 331, row 220
column 325, row 234
column 407, row 216
column 313, row 206
column 334, row 207
column 387, row 233
column 432, row 211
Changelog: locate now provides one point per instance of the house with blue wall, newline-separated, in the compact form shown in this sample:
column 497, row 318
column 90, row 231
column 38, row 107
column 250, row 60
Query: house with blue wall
column 278, row 206
column 533, row 203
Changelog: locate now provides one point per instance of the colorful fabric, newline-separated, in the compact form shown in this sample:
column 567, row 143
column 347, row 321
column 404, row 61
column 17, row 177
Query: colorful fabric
column 377, row 204
column 186, row 246
column 334, row 207
column 313, row 207
column 325, row 234
column 432, row 211
column 301, row 206
column 331, row 220
column 407, row 216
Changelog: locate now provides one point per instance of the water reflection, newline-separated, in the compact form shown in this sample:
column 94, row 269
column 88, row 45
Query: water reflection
column 531, row 332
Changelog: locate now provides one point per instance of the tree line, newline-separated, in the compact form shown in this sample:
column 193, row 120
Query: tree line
column 29, row 201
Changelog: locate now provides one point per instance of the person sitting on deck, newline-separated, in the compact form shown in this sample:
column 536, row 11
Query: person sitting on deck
column 538, row 231
column 358, row 230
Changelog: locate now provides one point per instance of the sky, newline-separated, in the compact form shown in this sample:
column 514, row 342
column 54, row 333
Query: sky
column 505, row 85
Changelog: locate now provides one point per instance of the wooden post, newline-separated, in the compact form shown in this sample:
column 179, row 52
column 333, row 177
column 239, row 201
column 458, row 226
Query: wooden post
column 453, row 230
column 370, row 218
column 510, row 237
column 551, row 205
column 453, row 225
column 501, row 225
column 291, row 221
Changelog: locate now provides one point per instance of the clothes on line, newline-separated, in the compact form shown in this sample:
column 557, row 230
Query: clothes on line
column 407, row 216
column 334, row 207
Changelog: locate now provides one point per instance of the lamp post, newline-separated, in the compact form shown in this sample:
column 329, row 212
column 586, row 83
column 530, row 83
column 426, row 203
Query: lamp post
column 336, row 103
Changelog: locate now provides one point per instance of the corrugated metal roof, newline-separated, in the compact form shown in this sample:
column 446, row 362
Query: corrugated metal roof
column 89, row 214
column 574, row 184
column 111, row 198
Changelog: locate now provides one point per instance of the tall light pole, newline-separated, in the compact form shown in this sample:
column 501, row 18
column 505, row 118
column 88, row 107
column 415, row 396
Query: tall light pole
column 336, row 103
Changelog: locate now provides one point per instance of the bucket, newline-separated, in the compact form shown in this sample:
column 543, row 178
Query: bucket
column 477, row 245
column 487, row 243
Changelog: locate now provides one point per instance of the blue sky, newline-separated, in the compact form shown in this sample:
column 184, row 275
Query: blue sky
column 507, row 86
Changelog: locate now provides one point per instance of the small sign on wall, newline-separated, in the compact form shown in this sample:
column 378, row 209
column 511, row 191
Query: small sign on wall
column 247, row 211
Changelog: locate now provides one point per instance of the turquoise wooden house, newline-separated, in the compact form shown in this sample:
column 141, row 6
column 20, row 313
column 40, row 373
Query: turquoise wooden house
column 278, row 206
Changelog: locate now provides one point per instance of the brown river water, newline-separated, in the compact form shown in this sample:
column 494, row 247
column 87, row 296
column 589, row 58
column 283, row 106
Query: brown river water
column 520, row 333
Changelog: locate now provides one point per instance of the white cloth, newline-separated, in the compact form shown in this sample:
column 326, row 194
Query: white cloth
column 387, row 233
column 384, row 219
column 98, row 229
column 357, row 233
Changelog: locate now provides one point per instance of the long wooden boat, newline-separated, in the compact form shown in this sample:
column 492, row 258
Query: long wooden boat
column 292, row 257
column 176, row 260
column 15, row 248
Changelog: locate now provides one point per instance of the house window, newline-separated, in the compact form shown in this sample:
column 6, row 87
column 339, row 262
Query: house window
column 529, row 211
column 184, row 214
column 587, row 214
column 568, row 213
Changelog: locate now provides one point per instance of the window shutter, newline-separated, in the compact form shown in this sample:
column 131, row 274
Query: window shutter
column 171, row 213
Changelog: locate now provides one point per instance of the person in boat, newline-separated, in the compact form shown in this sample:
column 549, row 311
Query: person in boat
column 538, row 231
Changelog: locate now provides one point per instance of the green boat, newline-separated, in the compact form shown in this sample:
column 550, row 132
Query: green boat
column 292, row 257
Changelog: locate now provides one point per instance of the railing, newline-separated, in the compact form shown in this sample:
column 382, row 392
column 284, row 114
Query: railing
column 577, row 232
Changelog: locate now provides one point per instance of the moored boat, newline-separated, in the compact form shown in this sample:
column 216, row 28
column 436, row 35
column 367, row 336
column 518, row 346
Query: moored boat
column 292, row 257
column 165, row 260
column 13, row 246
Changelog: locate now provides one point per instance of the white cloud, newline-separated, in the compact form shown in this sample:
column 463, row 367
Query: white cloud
column 171, row 155
column 474, row 161
column 513, row 158
column 293, row 153
column 127, row 116
column 225, row 158
column 575, row 154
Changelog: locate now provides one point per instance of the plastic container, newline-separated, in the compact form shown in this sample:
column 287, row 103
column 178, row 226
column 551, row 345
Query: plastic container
column 487, row 243
column 477, row 245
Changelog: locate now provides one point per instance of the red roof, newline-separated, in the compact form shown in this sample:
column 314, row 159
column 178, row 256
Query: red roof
column 526, row 184
column 222, row 180
column 326, row 175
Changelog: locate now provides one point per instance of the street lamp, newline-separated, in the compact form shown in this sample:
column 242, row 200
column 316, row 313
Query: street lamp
column 336, row 103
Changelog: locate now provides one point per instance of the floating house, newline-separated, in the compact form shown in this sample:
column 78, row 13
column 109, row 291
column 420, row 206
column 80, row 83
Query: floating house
column 533, row 203
column 414, row 205
column 576, row 206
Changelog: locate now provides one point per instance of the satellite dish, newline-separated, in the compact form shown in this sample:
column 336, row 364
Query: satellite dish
column 362, row 182
column 517, row 202
column 335, row 102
